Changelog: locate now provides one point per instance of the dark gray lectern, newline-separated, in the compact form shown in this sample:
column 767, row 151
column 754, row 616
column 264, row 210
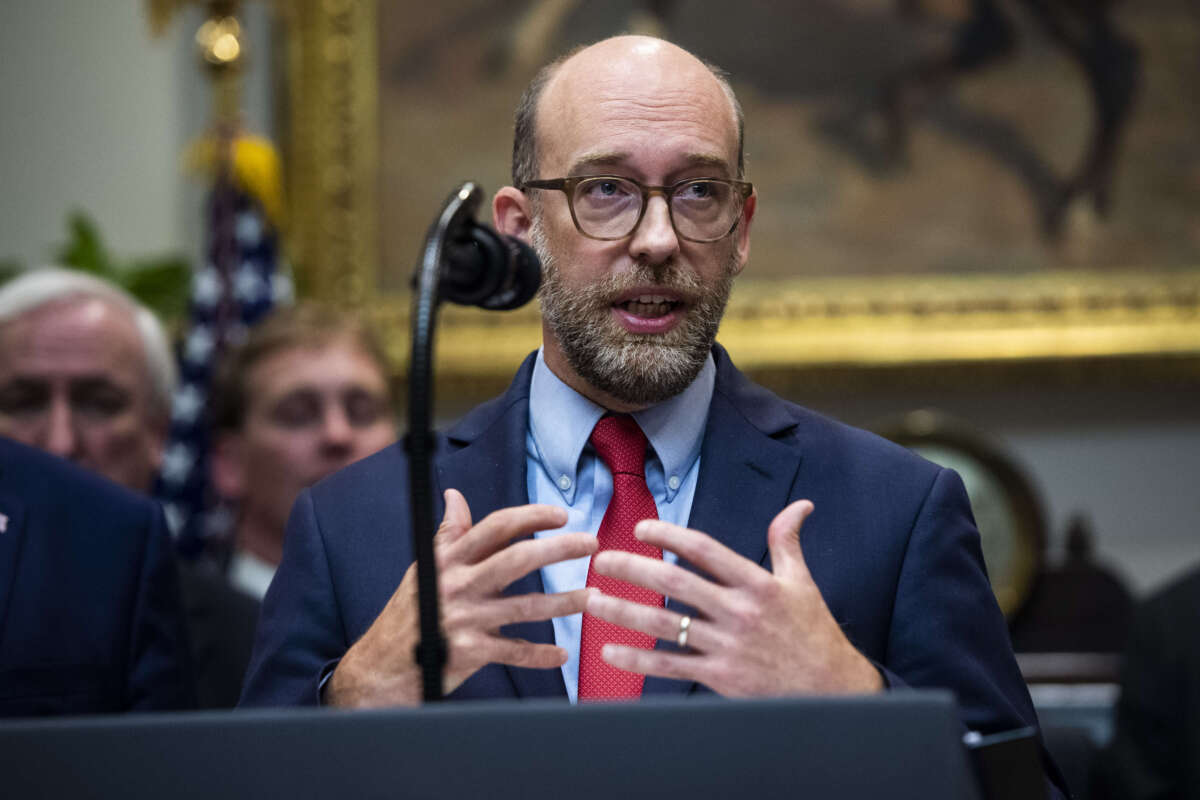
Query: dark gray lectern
column 897, row 746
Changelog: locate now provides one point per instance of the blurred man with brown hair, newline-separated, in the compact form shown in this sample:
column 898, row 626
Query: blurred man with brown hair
column 306, row 394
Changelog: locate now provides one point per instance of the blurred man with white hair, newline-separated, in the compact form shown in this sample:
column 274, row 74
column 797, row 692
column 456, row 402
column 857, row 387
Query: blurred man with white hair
column 86, row 373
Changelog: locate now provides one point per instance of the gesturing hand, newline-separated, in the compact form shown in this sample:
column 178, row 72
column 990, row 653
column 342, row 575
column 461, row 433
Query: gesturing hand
column 754, row 632
column 475, row 563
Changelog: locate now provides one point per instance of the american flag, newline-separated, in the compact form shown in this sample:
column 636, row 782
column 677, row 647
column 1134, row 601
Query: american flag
column 238, row 285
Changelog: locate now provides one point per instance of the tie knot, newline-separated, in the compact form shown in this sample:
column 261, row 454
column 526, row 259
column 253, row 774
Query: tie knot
column 621, row 444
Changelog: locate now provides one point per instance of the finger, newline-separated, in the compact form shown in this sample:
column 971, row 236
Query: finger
column 525, row 608
column 724, row 565
column 666, row 579
column 468, row 654
column 519, row 559
column 783, row 540
column 457, row 519
column 500, row 527
column 663, row 663
column 657, row 622
column 521, row 653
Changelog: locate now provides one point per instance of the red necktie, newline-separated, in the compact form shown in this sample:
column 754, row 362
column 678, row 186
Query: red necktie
column 621, row 444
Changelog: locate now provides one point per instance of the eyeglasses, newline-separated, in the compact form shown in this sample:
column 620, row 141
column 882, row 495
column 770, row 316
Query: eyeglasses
column 608, row 207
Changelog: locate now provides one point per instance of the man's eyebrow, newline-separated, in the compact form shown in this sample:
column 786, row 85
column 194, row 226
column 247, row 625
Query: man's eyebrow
column 594, row 160
column 90, row 383
column 706, row 160
column 617, row 159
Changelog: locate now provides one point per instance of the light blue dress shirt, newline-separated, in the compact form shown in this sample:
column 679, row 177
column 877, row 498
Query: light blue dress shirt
column 562, row 470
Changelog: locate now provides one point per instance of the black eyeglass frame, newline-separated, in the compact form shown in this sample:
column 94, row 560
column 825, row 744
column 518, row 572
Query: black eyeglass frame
column 567, row 186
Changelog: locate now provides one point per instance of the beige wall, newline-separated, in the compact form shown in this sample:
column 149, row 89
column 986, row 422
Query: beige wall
column 96, row 115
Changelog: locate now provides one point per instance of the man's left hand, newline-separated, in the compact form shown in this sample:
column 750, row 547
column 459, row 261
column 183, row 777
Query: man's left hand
column 753, row 633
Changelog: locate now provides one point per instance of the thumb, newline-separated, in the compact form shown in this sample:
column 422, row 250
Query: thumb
column 783, row 540
column 457, row 519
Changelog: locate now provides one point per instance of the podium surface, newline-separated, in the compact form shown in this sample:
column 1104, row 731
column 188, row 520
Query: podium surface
column 899, row 745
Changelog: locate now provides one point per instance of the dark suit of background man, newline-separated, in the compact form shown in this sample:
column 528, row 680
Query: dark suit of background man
column 883, row 587
column 90, row 617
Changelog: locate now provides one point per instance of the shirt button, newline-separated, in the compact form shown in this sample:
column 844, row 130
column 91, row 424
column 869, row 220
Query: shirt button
column 673, row 482
column 564, row 482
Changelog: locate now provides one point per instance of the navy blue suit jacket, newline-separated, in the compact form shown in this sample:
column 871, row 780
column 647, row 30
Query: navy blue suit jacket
column 90, row 618
column 891, row 544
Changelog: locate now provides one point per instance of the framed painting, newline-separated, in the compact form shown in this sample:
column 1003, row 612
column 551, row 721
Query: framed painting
column 941, row 182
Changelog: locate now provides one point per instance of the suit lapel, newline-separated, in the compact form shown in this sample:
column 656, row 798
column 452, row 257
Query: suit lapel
column 739, row 460
column 490, row 472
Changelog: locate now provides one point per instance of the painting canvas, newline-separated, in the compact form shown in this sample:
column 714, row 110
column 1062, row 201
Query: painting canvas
column 883, row 137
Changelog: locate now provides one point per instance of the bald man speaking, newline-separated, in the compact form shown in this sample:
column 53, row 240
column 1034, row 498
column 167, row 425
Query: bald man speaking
column 633, row 516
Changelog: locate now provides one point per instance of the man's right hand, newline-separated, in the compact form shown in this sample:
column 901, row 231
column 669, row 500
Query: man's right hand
column 475, row 564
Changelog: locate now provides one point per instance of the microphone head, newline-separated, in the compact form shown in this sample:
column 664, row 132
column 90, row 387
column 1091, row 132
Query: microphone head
column 486, row 269
column 523, row 276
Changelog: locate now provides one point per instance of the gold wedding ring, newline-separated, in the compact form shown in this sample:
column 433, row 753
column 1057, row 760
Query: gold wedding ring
column 685, row 623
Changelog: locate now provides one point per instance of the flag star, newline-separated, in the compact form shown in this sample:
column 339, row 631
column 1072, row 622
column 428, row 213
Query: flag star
column 177, row 464
column 283, row 291
column 199, row 345
column 206, row 287
column 249, row 229
column 247, row 285
column 189, row 400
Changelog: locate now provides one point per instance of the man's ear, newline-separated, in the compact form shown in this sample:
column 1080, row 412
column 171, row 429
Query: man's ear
column 742, row 234
column 511, row 213
column 227, row 466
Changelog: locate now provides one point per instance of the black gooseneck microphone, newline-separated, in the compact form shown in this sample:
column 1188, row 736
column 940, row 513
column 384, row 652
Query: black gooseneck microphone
column 485, row 268
column 469, row 264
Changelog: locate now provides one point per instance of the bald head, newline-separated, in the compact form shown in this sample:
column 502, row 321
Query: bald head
column 661, row 75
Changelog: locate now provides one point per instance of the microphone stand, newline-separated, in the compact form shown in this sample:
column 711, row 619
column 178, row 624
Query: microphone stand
column 431, row 649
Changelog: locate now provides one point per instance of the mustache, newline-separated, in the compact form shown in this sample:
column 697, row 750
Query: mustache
column 667, row 276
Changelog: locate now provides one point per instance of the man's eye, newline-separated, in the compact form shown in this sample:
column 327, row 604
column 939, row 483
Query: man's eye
column 606, row 189
column 297, row 411
column 362, row 407
column 697, row 190
column 99, row 399
column 23, row 397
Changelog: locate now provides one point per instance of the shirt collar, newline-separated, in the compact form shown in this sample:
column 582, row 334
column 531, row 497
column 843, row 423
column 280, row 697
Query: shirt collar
column 250, row 573
column 561, row 421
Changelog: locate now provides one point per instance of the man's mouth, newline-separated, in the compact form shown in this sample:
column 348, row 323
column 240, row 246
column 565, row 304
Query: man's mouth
column 649, row 305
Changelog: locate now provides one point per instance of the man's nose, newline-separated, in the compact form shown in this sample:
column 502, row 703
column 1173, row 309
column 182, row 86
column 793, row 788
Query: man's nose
column 655, row 240
column 337, row 434
column 59, row 434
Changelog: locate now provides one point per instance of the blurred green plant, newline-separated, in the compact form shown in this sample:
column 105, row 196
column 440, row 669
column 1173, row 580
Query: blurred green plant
column 161, row 283
column 9, row 268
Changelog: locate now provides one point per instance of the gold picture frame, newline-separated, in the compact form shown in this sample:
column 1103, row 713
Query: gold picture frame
column 1145, row 319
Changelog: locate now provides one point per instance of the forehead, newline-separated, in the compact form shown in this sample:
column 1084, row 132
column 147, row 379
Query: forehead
column 651, row 108
column 336, row 363
column 75, row 337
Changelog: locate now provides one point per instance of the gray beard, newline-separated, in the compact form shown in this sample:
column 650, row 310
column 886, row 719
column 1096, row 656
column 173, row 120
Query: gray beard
column 637, row 369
